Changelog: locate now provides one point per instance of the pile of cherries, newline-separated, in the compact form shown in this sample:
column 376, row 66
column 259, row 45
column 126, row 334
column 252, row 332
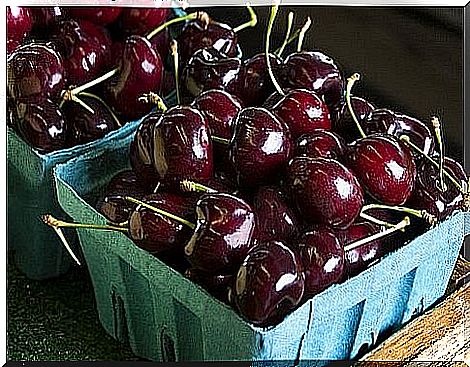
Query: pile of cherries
column 269, row 183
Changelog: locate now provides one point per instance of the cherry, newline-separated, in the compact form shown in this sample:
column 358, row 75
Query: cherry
column 345, row 125
column 12, row 45
column 98, row 15
column 35, row 70
column 182, row 146
column 140, row 72
column 223, row 234
column 86, row 126
column 384, row 166
column 322, row 258
column 216, row 285
column 41, row 124
column 321, row 144
column 260, row 147
column 46, row 18
column 303, row 111
column 269, row 283
column 140, row 21
column 325, row 191
column 19, row 23
column 274, row 219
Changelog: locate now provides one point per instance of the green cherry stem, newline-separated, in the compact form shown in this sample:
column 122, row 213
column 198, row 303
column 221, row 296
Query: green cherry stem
column 351, row 80
column 423, row 214
column 154, row 99
column 161, row 211
column 220, row 140
column 191, row 186
column 53, row 222
column 407, row 141
column 400, row 226
column 90, row 95
column 274, row 10
column 290, row 20
column 302, row 33
column 192, row 16
column 438, row 131
column 372, row 219
column 174, row 52
column 251, row 23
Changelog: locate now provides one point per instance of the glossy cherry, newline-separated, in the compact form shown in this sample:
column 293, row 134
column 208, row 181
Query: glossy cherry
column 19, row 23
column 260, row 148
column 35, row 70
column 97, row 15
column 384, row 166
column 223, row 235
column 322, row 258
column 303, row 111
column 269, row 283
column 216, row 285
column 325, row 191
column 275, row 220
column 320, row 144
column 141, row 21
column 140, row 72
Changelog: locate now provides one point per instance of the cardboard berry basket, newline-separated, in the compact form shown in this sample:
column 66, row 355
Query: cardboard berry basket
column 165, row 317
column 37, row 251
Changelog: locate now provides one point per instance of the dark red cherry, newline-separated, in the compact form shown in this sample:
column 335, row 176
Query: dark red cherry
column 12, row 45
column 19, row 23
column 269, row 283
column 85, row 126
column 254, row 84
column 384, row 166
column 389, row 122
column 428, row 194
column 142, row 149
column 41, row 124
column 112, row 205
column 223, row 235
column 141, row 21
column 359, row 258
column 216, row 285
column 140, row 72
column 303, row 111
column 161, row 43
column 84, row 47
column 345, row 126
column 46, row 18
column 260, row 147
column 274, row 219
column 321, row 144
column 322, row 258
column 325, row 191
column 315, row 71
column 182, row 146
column 156, row 232
column 198, row 35
column 95, row 14
column 209, row 69
column 35, row 70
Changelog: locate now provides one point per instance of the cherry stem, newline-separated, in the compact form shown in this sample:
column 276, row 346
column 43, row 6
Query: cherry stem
column 290, row 20
column 423, row 214
column 155, row 99
column 220, row 140
column 437, row 129
column 161, row 211
column 90, row 95
column 351, row 80
column 251, row 23
column 191, row 186
column 372, row 219
column 174, row 52
column 302, row 33
column 67, row 95
column 53, row 222
column 407, row 140
column 192, row 16
column 400, row 226
column 274, row 10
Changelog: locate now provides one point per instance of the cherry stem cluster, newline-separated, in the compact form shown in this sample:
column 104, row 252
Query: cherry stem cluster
column 274, row 10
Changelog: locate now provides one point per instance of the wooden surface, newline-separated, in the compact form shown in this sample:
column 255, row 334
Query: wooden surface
column 441, row 334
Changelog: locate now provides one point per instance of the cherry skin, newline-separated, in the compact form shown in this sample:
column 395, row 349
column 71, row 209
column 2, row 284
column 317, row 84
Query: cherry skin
column 315, row 71
column 275, row 220
column 198, row 35
column 325, row 191
column 384, row 166
column 345, row 126
column 46, row 18
column 141, row 21
column 182, row 146
column 303, row 111
column 260, row 147
column 428, row 195
column 223, row 234
column 216, row 285
column 19, row 23
column 35, row 70
column 42, row 125
column 322, row 258
column 156, row 232
column 86, row 126
column 97, row 15
column 269, row 283
column 321, row 144
column 112, row 204
column 140, row 72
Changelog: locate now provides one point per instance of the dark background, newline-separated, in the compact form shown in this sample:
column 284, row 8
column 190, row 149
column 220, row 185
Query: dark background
column 411, row 61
